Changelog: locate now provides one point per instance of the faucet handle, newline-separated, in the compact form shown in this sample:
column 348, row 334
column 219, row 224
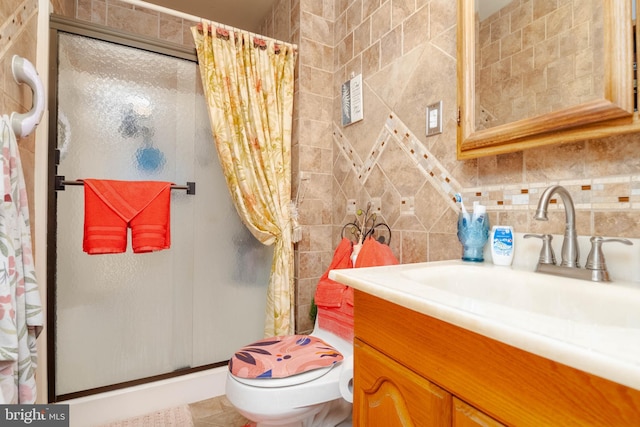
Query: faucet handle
column 595, row 260
column 547, row 256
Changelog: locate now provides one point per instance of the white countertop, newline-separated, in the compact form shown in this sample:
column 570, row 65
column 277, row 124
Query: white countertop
column 594, row 327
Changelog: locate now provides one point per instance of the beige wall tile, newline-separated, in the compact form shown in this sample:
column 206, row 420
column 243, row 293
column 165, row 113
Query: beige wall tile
column 521, row 16
column 443, row 247
column 171, row 29
column 381, row 21
column 315, row 27
column 415, row 29
column 391, row 46
column 354, row 15
column 344, row 50
column 371, row 59
column 401, row 10
column 362, row 37
column 543, row 7
column 133, row 21
column 314, row 7
column 315, row 81
column 414, row 246
column 442, row 17
column 314, row 54
column 559, row 21
column 368, row 7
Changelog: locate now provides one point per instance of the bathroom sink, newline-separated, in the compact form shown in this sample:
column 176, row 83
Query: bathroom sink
column 534, row 293
column 590, row 326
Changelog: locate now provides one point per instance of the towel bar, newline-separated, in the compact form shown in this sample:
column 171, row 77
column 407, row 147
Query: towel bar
column 60, row 184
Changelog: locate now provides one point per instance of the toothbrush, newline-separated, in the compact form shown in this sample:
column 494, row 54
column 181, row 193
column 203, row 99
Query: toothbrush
column 465, row 214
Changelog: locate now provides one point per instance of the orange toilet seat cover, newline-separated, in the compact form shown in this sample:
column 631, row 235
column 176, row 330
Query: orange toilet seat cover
column 283, row 356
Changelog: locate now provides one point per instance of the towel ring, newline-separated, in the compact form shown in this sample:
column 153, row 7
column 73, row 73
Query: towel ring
column 380, row 232
column 24, row 72
column 353, row 232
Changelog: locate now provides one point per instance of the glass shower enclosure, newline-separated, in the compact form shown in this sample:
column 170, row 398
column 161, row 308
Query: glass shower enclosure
column 126, row 113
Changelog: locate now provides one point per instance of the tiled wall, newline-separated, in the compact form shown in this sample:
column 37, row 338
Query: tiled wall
column 406, row 53
column 535, row 57
column 137, row 20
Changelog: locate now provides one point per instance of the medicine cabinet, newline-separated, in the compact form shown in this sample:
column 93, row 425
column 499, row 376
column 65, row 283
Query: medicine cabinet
column 530, row 76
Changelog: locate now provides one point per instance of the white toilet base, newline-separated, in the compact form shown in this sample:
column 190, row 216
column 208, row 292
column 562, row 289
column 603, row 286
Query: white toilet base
column 330, row 414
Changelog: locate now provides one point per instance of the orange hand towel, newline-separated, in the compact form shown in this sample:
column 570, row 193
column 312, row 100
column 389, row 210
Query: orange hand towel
column 329, row 292
column 112, row 206
column 374, row 253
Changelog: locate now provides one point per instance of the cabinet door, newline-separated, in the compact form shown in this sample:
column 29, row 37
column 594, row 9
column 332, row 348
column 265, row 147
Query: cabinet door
column 465, row 415
column 387, row 394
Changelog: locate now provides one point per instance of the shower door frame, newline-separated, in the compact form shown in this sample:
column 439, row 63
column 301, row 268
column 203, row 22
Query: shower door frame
column 57, row 25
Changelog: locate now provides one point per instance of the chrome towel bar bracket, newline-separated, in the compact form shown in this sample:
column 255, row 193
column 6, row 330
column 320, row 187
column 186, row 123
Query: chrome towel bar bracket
column 61, row 183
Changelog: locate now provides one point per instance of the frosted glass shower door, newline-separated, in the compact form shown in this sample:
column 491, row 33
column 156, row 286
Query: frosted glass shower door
column 129, row 114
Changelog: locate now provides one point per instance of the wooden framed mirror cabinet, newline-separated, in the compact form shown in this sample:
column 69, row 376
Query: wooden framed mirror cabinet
column 532, row 73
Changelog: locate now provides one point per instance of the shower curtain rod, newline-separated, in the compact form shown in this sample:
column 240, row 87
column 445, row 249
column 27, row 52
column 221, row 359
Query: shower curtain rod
column 61, row 183
column 198, row 19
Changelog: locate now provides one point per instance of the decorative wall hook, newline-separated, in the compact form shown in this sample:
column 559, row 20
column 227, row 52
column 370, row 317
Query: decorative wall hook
column 24, row 72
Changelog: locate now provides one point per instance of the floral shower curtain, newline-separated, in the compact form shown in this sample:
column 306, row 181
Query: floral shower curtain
column 21, row 317
column 248, row 84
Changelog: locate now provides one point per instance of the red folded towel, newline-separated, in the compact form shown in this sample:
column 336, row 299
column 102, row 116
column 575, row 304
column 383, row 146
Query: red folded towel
column 334, row 300
column 336, row 322
column 374, row 253
column 329, row 293
column 112, row 206
column 348, row 296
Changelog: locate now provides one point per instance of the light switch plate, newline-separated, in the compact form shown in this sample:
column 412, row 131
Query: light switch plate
column 434, row 118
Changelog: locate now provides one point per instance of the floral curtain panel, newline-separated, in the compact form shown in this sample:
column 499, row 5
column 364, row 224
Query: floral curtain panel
column 248, row 84
column 21, row 317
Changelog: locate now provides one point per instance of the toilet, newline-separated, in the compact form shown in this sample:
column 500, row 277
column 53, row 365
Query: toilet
column 319, row 397
column 270, row 392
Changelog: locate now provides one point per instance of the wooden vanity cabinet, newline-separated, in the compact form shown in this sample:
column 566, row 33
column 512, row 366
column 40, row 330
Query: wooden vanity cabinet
column 414, row 370
column 465, row 415
column 388, row 394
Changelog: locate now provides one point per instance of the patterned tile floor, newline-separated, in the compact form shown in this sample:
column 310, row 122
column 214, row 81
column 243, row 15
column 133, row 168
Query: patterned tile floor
column 216, row 412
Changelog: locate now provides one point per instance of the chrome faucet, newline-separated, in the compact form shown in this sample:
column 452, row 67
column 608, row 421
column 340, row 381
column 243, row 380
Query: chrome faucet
column 570, row 252
column 596, row 269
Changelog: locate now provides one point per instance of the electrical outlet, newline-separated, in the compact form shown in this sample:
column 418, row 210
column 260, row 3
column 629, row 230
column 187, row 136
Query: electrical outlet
column 351, row 206
column 376, row 205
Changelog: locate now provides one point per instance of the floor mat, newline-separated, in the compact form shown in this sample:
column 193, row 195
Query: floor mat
column 180, row 416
